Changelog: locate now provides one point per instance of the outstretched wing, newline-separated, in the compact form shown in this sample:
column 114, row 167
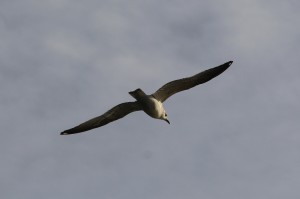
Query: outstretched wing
column 113, row 114
column 176, row 86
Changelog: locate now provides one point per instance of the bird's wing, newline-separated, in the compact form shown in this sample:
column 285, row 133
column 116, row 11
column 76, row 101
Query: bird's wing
column 176, row 86
column 113, row 114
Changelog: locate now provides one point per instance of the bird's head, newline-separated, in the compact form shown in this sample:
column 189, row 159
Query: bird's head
column 165, row 117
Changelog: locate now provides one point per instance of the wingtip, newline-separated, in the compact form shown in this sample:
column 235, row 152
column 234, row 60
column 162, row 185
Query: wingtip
column 64, row 133
column 229, row 63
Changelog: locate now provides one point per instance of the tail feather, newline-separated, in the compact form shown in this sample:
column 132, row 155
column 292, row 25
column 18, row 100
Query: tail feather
column 137, row 94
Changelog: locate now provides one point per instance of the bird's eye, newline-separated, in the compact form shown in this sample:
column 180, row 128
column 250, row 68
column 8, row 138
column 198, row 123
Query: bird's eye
column 166, row 114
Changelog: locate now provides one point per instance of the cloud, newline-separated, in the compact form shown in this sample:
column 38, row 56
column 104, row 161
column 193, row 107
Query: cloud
column 63, row 62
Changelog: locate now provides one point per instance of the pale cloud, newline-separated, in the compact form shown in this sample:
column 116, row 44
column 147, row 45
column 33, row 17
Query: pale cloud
column 62, row 62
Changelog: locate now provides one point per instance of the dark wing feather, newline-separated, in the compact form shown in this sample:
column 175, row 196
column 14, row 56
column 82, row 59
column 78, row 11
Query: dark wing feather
column 113, row 114
column 176, row 86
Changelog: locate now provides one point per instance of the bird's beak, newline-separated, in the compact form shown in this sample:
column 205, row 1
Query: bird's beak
column 167, row 121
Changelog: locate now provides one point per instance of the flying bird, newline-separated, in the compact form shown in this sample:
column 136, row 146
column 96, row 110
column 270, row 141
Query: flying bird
column 150, row 104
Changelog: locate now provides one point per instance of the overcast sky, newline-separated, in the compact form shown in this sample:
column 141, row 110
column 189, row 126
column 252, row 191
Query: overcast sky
column 65, row 61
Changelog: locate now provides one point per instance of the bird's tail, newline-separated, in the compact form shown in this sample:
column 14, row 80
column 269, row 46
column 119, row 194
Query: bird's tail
column 137, row 94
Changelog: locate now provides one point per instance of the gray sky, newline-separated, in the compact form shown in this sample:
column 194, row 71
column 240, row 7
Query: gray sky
column 63, row 62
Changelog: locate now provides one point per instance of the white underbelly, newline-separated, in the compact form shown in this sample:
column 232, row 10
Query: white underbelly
column 154, row 108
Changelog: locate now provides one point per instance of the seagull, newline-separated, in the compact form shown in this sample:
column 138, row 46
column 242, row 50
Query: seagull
column 150, row 104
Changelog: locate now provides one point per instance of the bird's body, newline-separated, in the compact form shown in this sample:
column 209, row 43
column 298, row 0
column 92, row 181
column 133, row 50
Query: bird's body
column 154, row 108
column 150, row 104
